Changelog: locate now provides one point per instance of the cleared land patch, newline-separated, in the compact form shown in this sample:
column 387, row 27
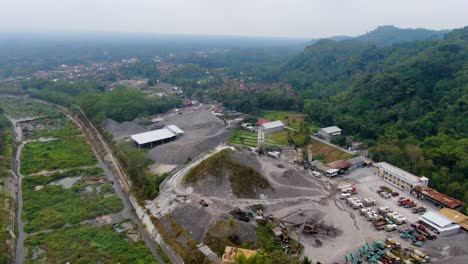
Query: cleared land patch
column 60, row 154
column 290, row 118
column 87, row 244
column 247, row 138
column 49, row 205
column 23, row 108
column 326, row 153
column 49, row 127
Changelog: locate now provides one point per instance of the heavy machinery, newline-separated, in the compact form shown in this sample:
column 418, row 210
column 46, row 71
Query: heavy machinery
column 393, row 243
column 408, row 234
column 353, row 258
column 423, row 231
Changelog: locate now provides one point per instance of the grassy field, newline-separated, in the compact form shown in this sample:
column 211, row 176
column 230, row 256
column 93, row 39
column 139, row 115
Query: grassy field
column 58, row 127
column 247, row 138
column 54, row 206
column 60, row 154
column 6, row 201
column 23, row 108
column 274, row 115
column 287, row 137
column 87, row 244
column 326, row 154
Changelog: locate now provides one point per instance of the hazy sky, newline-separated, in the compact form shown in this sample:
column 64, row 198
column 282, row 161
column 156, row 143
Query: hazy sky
column 290, row 18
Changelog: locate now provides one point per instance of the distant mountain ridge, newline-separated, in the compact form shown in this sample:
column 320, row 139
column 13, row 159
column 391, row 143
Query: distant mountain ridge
column 388, row 35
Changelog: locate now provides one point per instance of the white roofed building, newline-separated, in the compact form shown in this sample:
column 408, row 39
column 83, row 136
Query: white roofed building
column 329, row 132
column 441, row 223
column 157, row 137
column 272, row 127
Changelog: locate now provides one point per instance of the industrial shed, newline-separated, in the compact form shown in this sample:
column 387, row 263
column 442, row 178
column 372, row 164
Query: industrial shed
column 456, row 217
column 442, row 224
column 439, row 199
column 272, row 127
column 329, row 132
column 157, row 137
column 339, row 165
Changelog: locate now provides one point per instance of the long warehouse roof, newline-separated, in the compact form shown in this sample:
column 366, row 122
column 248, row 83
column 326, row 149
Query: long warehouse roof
column 156, row 135
column 273, row 124
column 409, row 177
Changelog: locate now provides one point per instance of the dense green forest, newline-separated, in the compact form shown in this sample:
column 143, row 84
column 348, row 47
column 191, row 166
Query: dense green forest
column 123, row 104
column 408, row 101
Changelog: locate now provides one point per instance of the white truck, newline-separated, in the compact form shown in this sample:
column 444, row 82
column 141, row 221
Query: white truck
column 369, row 201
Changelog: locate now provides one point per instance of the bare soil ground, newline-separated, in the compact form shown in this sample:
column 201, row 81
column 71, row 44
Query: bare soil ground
column 296, row 196
column 202, row 132
column 121, row 130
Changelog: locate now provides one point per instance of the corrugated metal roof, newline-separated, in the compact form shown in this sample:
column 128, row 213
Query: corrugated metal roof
column 273, row 124
column 339, row 164
column 262, row 121
column 439, row 197
column 152, row 136
column 356, row 160
column 175, row 129
column 455, row 216
column 437, row 219
column 331, row 130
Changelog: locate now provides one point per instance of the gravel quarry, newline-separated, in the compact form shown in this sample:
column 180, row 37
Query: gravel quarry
column 202, row 132
column 295, row 196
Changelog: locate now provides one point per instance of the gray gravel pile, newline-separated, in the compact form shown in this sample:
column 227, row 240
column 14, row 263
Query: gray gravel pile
column 120, row 130
column 202, row 131
column 195, row 219
column 292, row 177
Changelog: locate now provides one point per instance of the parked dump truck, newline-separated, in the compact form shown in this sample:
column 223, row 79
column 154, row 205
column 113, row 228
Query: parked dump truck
column 384, row 210
column 369, row 202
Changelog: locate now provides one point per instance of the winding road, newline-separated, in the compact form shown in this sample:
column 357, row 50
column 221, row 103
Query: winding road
column 128, row 212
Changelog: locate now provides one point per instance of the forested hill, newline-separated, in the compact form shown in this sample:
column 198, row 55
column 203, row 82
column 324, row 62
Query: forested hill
column 335, row 62
column 388, row 35
column 410, row 100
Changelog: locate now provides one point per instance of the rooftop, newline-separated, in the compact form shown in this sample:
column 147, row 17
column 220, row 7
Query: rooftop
column 408, row 177
column 455, row 216
column 262, row 121
column 273, row 124
column 156, row 135
column 231, row 253
column 339, row 164
column 175, row 129
column 438, row 221
column 446, row 200
column 357, row 160
column 331, row 130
